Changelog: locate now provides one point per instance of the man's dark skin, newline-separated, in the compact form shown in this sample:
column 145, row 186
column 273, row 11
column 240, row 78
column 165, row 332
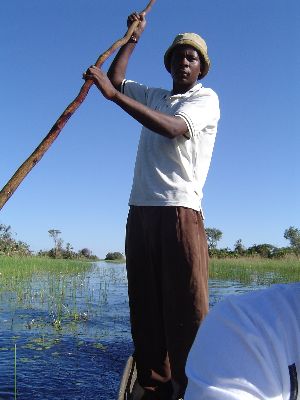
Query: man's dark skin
column 185, row 70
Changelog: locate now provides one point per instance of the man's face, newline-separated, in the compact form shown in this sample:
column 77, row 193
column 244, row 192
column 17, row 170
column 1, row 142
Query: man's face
column 185, row 65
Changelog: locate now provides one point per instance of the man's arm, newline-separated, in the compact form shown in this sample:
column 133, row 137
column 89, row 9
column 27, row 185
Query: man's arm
column 163, row 124
column 110, row 84
column 117, row 70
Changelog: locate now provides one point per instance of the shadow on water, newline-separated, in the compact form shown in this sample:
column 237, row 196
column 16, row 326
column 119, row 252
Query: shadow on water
column 72, row 332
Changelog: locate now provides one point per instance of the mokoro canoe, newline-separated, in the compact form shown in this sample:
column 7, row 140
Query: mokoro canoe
column 129, row 389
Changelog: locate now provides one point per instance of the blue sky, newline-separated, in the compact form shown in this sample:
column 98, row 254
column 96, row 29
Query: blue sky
column 81, row 185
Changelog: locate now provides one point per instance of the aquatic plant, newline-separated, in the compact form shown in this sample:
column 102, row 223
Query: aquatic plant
column 55, row 309
column 255, row 270
column 46, row 286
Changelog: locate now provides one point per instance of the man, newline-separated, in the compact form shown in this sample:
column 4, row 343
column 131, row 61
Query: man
column 248, row 348
column 166, row 248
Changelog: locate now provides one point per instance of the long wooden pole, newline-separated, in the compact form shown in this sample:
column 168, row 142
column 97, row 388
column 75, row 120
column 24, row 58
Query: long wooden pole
column 8, row 190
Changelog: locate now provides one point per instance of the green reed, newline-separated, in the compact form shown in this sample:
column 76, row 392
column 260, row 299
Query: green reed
column 24, row 266
column 255, row 270
column 15, row 370
column 39, row 283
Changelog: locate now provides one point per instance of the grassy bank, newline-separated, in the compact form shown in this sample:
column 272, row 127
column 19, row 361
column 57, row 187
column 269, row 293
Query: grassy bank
column 256, row 270
column 28, row 265
column 15, row 272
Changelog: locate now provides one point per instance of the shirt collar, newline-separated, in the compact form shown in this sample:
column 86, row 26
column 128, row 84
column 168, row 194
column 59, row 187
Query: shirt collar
column 198, row 86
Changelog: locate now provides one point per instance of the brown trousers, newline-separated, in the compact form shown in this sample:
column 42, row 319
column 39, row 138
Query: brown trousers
column 167, row 270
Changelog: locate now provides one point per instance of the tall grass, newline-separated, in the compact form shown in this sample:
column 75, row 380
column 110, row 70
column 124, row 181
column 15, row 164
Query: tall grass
column 259, row 271
column 44, row 284
column 46, row 297
column 28, row 265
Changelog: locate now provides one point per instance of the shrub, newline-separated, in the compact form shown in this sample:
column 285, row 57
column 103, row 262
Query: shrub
column 114, row 256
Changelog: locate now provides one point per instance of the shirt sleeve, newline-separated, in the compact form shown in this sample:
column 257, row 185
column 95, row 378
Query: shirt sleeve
column 233, row 358
column 201, row 113
column 135, row 90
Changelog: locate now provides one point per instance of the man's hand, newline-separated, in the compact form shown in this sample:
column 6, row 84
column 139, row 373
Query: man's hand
column 141, row 26
column 101, row 81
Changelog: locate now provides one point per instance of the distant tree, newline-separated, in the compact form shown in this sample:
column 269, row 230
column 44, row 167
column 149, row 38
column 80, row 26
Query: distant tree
column 281, row 252
column 54, row 233
column 222, row 253
column 265, row 250
column 239, row 248
column 5, row 232
column 67, row 252
column 85, row 252
column 10, row 246
column 114, row 256
column 293, row 235
column 213, row 236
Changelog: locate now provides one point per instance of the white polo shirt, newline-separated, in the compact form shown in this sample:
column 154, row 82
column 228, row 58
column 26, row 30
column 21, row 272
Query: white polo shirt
column 172, row 172
column 248, row 348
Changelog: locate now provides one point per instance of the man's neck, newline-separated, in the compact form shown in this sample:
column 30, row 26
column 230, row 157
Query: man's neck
column 181, row 89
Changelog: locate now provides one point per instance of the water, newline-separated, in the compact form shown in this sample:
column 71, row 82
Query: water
column 74, row 348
